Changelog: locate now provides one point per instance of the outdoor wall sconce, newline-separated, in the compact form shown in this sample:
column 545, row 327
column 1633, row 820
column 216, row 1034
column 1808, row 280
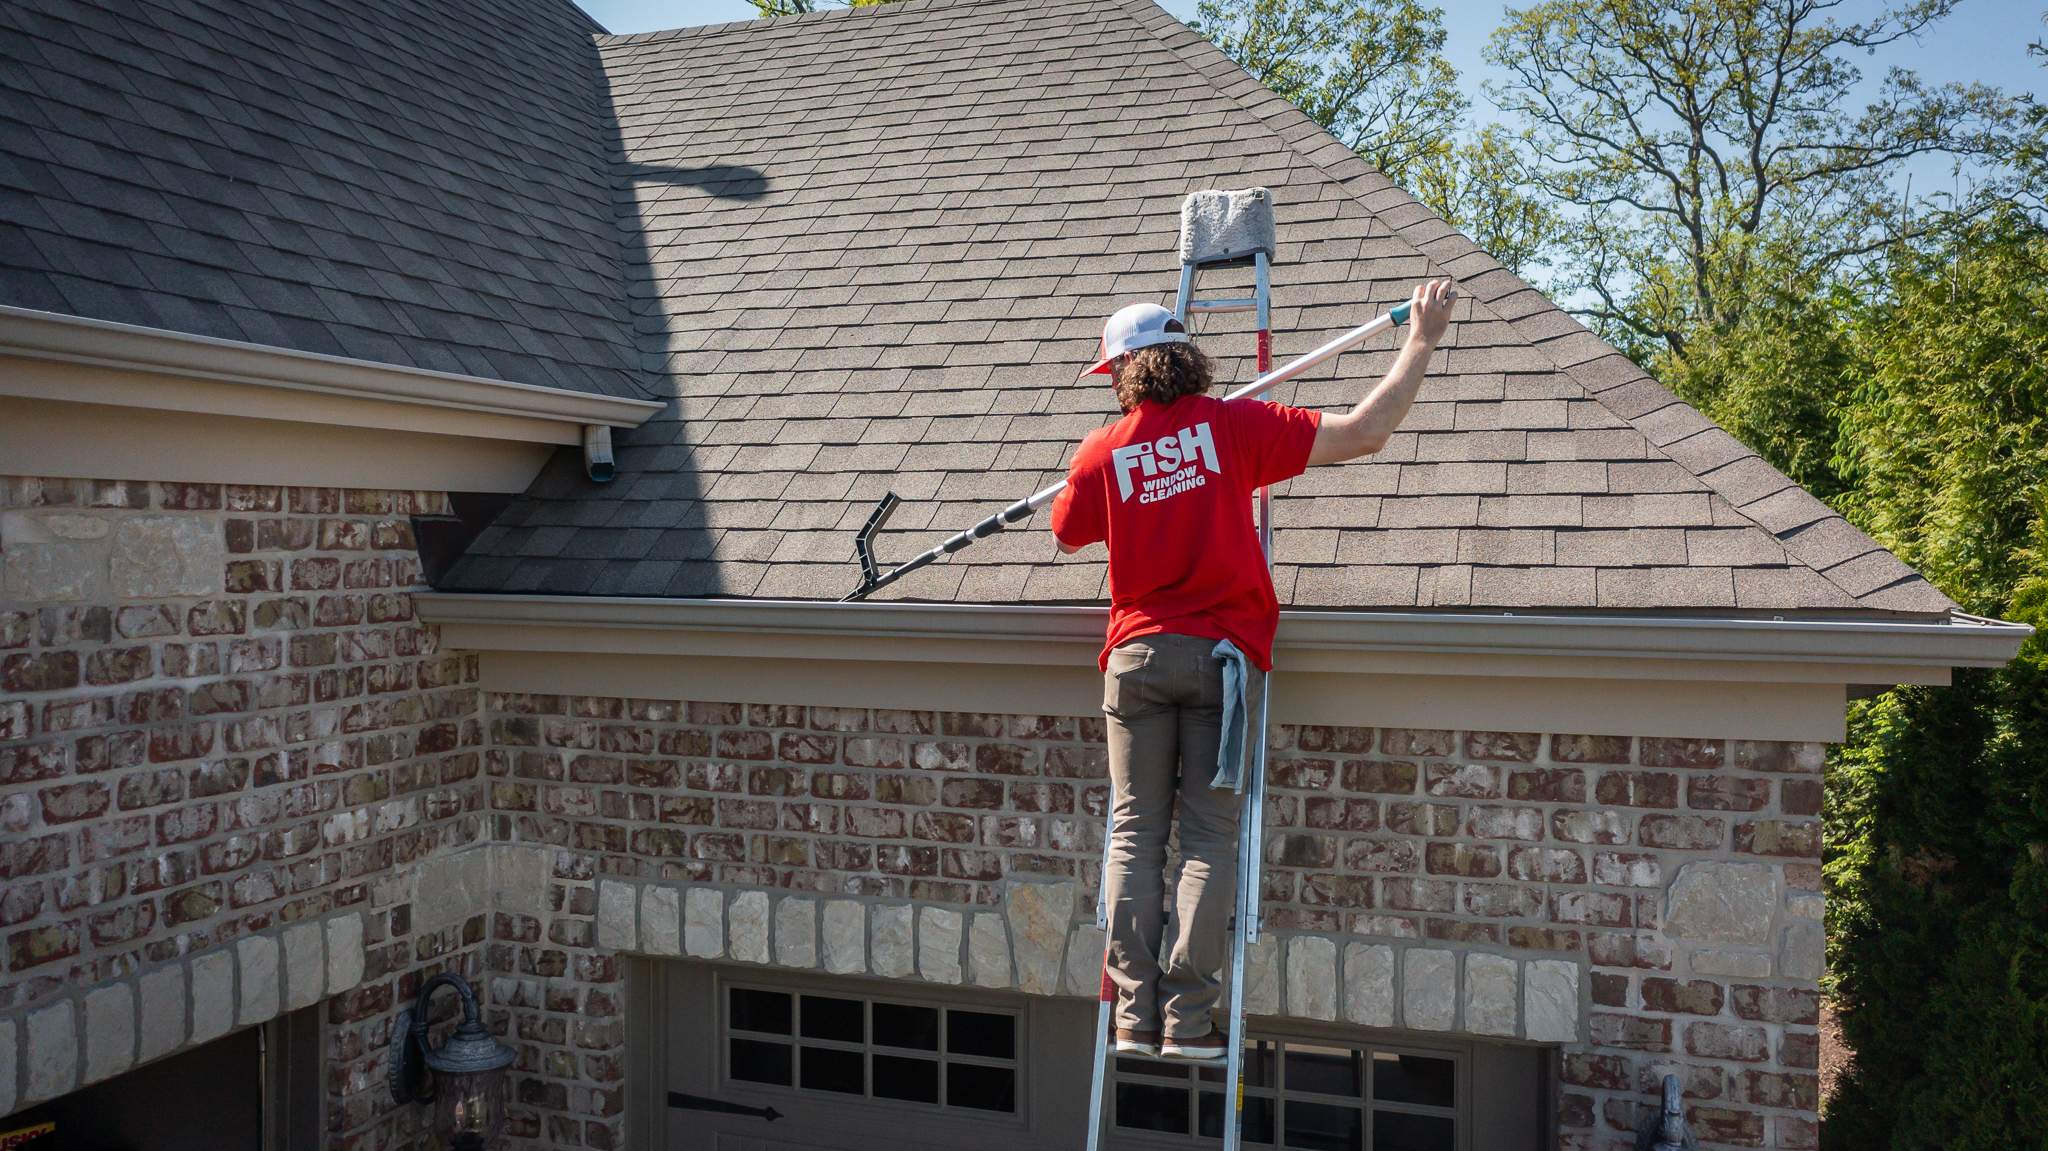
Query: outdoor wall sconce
column 464, row 1078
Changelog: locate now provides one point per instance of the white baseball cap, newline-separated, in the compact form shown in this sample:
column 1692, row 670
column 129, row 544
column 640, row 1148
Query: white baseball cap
column 1134, row 327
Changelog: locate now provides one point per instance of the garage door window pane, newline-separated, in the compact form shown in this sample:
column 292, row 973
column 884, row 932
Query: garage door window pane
column 1325, row 1070
column 1414, row 1079
column 756, row 1062
column 982, row 1088
column 1323, row 1126
column 1258, row 1118
column 840, row 1019
column 1152, row 1107
column 1398, row 1131
column 911, row 1080
column 981, row 1033
column 826, row 1069
column 766, row 1011
column 901, row 1025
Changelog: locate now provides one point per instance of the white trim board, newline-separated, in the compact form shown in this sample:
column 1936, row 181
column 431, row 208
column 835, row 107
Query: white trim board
column 1800, row 649
column 1727, row 678
column 133, row 366
column 1578, row 706
column 105, row 442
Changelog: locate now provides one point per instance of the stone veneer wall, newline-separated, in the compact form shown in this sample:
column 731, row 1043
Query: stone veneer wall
column 1649, row 904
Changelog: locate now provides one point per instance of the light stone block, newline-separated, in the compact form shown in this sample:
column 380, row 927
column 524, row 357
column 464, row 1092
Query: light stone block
column 1805, row 906
column 450, row 888
column 796, row 933
column 1312, row 977
column 344, row 953
column 1746, row 964
column 109, row 1031
column 9, row 1072
column 1262, row 976
column 51, row 571
column 213, row 995
column 1722, row 903
column 891, row 944
column 163, row 1011
column 166, row 556
column 1369, row 984
column 519, row 878
column 704, row 923
column 1490, row 994
column 1039, row 914
column 746, row 925
column 1550, row 1001
column 660, row 909
column 258, row 954
column 1084, row 962
column 846, row 937
column 988, row 951
column 305, row 965
column 1802, row 952
column 938, row 944
column 616, row 926
column 1429, row 989
column 52, row 1052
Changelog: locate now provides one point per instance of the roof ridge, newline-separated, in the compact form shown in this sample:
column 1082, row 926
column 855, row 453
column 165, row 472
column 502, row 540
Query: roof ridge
column 1808, row 529
column 693, row 31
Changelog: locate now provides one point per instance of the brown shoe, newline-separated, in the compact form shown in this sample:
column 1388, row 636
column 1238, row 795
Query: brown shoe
column 1136, row 1042
column 1210, row 1048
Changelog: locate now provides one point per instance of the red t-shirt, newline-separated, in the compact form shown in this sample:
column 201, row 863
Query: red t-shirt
column 1170, row 488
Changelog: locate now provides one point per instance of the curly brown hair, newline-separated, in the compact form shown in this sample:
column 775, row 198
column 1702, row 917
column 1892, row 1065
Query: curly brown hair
column 1162, row 373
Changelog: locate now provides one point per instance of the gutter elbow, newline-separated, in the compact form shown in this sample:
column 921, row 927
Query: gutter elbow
column 597, row 452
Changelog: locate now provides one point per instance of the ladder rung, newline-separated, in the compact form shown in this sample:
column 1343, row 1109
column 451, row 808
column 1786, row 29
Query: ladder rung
column 1222, row 305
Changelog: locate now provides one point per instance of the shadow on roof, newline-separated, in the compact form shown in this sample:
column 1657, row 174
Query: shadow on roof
column 725, row 181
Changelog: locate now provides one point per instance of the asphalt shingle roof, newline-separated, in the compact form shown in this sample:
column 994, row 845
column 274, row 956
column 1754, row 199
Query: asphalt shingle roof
column 874, row 246
column 421, row 183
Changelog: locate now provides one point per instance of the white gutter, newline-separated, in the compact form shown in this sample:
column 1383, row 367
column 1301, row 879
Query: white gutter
column 283, row 373
column 599, row 624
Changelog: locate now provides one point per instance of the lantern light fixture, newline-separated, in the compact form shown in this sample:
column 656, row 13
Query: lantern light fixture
column 463, row 1078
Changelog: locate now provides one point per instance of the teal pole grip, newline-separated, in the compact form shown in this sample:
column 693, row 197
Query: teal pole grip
column 1400, row 312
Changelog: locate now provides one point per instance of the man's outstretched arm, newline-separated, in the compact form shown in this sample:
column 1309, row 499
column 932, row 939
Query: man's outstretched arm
column 1364, row 429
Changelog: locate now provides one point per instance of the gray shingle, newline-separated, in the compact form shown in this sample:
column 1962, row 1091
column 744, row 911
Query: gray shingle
column 926, row 209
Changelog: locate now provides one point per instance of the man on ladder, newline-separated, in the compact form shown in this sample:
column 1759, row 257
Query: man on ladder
column 1169, row 488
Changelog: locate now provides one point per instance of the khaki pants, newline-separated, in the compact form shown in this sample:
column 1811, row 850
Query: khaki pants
column 1163, row 695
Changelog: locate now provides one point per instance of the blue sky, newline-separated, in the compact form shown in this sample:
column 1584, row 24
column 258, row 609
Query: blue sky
column 1985, row 40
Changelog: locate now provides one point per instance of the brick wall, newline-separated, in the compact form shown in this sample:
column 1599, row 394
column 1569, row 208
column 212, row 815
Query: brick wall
column 218, row 721
column 230, row 757
column 1679, row 875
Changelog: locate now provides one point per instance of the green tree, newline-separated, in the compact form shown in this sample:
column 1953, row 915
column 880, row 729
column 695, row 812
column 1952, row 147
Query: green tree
column 798, row 7
column 1374, row 75
column 1475, row 185
column 1937, row 824
column 1371, row 73
column 1701, row 151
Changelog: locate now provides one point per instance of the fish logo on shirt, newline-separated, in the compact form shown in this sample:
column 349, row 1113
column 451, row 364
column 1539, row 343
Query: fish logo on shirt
column 1168, row 465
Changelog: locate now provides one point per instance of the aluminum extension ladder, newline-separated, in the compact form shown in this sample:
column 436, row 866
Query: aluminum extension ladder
column 1251, row 822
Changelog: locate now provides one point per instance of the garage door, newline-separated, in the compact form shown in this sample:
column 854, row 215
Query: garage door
column 752, row 1059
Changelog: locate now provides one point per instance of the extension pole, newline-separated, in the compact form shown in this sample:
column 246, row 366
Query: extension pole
column 1024, row 507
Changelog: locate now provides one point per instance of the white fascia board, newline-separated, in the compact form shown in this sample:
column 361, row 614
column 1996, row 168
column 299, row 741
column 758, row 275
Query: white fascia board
column 1319, row 640
column 282, row 372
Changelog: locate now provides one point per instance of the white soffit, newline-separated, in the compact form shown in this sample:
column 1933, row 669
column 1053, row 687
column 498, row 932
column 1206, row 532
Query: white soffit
column 174, row 371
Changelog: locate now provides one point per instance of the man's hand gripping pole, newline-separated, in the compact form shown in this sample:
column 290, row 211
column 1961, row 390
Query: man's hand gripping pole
column 873, row 580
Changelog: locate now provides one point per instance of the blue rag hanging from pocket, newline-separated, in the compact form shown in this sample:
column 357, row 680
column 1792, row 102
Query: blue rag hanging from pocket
column 1237, row 716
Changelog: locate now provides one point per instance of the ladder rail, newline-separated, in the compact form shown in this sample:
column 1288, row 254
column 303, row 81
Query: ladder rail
column 1244, row 924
